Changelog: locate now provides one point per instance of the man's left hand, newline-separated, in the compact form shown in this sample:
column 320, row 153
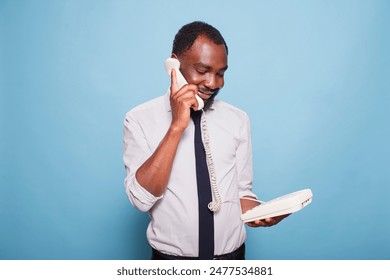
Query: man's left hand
column 267, row 222
column 249, row 204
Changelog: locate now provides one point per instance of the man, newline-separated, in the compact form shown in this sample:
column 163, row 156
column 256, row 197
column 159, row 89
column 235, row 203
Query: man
column 162, row 166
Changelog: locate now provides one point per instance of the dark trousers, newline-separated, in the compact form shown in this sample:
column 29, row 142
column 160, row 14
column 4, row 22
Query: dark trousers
column 238, row 254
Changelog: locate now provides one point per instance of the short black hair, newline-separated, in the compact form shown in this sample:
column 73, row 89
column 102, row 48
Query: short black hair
column 187, row 35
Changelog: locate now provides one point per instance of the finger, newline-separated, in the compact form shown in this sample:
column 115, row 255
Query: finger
column 257, row 223
column 186, row 99
column 262, row 223
column 174, row 85
column 251, row 224
column 187, row 91
column 195, row 104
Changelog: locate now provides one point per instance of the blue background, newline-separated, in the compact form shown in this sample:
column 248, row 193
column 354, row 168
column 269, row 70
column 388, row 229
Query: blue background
column 312, row 75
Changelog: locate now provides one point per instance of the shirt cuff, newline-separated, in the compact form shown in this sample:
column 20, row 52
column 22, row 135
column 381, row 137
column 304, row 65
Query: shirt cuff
column 140, row 197
column 247, row 193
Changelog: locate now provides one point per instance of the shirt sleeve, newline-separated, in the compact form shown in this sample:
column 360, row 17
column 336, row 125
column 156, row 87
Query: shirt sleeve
column 244, row 160
column 136, row 152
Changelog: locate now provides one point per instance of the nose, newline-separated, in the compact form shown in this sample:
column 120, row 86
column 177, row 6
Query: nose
column 212, row 82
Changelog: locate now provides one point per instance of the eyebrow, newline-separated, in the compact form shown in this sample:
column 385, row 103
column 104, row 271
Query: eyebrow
column 200, row 64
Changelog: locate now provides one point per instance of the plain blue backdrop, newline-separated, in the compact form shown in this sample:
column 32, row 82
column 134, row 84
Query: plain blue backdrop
column 312, row 75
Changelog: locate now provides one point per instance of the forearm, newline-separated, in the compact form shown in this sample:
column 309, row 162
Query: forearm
column 154, row 174
column 247, row 204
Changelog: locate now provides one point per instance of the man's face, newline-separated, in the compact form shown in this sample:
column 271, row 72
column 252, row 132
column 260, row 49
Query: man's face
column 204, row 65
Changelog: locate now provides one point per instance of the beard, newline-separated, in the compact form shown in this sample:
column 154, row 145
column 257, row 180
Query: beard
column 210, row 101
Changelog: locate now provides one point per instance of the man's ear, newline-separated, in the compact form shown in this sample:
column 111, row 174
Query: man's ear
column 173, row 55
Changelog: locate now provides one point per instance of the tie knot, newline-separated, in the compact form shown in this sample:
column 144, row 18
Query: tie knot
column 195, row 115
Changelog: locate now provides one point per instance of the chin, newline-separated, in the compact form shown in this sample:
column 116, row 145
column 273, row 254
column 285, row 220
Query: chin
column 210, row 101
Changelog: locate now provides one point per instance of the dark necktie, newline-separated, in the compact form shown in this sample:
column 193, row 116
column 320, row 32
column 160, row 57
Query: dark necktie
column 206, row 217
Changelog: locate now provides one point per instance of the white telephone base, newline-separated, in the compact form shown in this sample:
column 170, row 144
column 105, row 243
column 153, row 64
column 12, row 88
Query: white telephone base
column 282, row 205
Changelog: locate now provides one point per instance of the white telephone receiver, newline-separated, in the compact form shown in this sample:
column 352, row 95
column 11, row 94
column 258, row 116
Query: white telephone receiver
column 173, row 63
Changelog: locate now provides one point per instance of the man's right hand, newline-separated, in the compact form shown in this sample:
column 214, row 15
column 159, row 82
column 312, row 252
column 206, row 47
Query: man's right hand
column 182, row 100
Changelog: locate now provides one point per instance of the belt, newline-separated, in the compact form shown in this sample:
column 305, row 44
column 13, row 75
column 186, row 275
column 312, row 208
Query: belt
column 238, row 254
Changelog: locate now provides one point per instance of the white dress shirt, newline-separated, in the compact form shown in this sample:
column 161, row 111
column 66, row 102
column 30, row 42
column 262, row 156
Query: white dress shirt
column 173, row 228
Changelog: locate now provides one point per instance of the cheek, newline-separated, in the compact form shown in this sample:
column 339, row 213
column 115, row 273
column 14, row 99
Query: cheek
column 220, row 82
column 191, row 76
column 196, row 79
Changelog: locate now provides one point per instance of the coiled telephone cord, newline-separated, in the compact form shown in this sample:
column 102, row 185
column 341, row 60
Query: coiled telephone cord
column 214, row 205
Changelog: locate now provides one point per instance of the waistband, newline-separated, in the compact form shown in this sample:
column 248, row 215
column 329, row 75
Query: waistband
column 238, row 254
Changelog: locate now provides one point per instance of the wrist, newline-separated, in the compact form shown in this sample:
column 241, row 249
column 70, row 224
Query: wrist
column 176, row 130
column 177, row 127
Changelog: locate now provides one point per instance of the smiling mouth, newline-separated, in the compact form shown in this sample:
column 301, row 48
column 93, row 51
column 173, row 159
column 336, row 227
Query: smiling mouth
column 205, row 95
